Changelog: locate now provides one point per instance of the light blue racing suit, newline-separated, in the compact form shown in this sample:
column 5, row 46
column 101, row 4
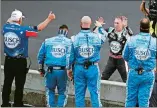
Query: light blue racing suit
column 53, row 53
column 140, row 51
column 86, row 47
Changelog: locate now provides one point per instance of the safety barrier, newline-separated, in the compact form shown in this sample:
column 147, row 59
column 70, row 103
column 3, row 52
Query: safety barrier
column 111, row 92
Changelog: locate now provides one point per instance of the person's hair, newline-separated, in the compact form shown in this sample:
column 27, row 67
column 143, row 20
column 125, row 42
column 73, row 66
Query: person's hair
column 122, row 18
column 119, row 17
column 144, row 25
column 63, row 27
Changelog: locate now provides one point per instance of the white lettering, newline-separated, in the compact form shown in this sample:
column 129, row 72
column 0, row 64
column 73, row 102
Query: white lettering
column 115, row 46
column 86, row 51
column 58, row 51
column 142, row 53
column 11, row 40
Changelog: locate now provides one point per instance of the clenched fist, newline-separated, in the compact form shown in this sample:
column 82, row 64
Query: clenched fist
column 51, row 16
column 70, row 74
column 143, row 1
column 9, row 20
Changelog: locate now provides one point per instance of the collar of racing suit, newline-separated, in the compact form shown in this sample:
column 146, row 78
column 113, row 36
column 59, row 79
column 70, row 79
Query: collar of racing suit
column 144, row 31
column 145, row 34
column 14, row 23
column 85, row 30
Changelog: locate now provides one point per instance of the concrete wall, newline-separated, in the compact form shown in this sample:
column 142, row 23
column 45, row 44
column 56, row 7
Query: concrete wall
column 111, row 92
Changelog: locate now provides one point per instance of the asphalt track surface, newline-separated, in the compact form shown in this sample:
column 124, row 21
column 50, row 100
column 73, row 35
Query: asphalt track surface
column 70, row 13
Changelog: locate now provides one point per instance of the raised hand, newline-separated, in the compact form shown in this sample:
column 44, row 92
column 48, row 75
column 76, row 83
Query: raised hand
column 101, row 20
column 51, row 16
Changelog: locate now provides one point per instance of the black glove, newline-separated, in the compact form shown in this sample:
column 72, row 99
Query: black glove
column 41, row 70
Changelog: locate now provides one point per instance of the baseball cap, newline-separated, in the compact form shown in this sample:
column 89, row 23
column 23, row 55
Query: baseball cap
column 86, row 19
column 16, row 15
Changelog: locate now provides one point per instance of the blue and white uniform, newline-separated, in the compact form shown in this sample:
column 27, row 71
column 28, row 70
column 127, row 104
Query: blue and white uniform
column 140, row 51
column 53, row 54
column 15, row 66
column 16, row 39
column 86, row 46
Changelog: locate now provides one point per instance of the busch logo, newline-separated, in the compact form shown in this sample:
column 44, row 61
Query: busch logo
column 58, row 51
column 115, row 46
column 142, row 53
column 86, row 51
column 11, row 40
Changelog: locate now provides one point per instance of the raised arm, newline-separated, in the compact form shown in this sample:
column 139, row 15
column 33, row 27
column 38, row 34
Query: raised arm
column 100, row 30
column 126, row 27
column 143, row 9
column 44, row 24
